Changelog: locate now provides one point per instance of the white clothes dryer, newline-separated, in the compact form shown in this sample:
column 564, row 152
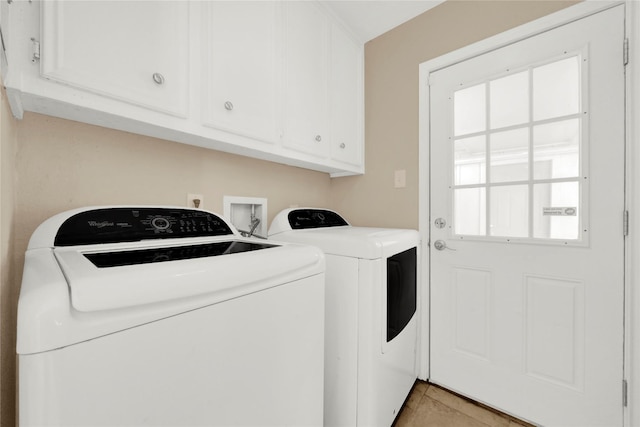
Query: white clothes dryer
column 147, row 316
column 371, row 317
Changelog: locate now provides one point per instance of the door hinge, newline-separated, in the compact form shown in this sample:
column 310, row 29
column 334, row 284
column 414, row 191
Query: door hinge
column 35, row 50
column 625, row 52
column 625, row 223
column 624, row 393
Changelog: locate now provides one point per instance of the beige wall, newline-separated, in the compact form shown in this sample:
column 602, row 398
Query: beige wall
column 391, row 101
column 8, row 288
column 63, row 164
column 48, row 165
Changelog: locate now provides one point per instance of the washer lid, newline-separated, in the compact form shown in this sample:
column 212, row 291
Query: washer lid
column 66, row 299
column 106, row 278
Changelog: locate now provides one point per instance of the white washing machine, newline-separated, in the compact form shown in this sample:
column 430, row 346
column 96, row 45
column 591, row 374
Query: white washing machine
column 149, row 316
column 371, row 313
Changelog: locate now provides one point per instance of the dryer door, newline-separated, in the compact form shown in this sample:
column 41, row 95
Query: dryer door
column 401, row 291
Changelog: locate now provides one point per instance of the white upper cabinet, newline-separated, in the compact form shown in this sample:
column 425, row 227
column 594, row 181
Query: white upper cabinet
column 346, row 98
column 134, row 51
column 274, row 80
column 306, row 78
column 242, row 63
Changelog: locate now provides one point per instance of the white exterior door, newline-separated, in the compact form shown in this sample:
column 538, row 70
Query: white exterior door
column 527, row 244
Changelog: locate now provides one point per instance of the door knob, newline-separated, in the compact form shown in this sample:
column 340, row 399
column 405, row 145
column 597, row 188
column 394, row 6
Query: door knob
column 441, row 245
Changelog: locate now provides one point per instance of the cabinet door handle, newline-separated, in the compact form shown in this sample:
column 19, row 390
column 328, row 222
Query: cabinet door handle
column 228, row 106
column 318, row 138
column 343, row 145
column 158, row 78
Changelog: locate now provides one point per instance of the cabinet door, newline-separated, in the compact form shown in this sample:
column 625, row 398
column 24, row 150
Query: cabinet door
column 242, row 62
column 134, row 51
column 346, row 98
column 306, row 78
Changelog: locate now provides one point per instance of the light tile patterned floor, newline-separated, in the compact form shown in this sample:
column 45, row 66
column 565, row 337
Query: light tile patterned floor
column 431, row 406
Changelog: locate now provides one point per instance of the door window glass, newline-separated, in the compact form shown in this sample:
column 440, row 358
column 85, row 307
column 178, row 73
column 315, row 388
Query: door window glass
column 518, row 153
column 470, row 107
column 470, row 211
column 557, row 145
column 509, row 100
column 556, row 89
column 470, row 160
column 509, row 153
column 555, row 210
column 509, row 211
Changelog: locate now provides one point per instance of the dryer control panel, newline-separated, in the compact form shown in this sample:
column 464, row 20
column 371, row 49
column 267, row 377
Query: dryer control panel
column 314, row 218
column 114, row 225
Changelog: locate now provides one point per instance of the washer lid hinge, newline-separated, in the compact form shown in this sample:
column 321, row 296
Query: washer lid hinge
column 625, row 223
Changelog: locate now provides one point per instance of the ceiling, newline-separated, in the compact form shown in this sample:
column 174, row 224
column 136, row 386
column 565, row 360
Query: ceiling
column 370, row 18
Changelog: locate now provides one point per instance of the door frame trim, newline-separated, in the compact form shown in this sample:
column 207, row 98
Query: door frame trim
column 632, row 185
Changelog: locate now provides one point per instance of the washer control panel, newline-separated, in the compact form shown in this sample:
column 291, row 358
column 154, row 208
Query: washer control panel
column 113, row 225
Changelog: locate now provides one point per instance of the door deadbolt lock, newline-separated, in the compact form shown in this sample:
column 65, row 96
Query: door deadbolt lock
column 440, row 223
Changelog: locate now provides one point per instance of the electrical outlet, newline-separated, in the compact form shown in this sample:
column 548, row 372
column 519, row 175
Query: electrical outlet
column 195, row 201
column 400, row 179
